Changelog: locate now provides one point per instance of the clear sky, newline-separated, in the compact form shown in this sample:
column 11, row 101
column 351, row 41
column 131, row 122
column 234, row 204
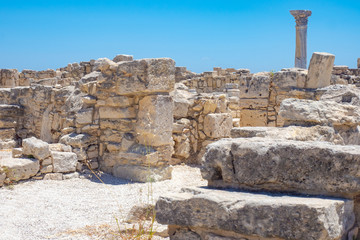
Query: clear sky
column 259, row 35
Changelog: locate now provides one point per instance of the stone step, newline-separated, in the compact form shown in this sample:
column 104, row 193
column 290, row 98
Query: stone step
column 200, row 213
column 305, row 167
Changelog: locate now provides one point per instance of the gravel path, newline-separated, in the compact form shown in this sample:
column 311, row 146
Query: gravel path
column 46, row 209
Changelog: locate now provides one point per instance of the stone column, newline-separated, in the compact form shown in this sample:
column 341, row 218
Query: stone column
column 301, row 18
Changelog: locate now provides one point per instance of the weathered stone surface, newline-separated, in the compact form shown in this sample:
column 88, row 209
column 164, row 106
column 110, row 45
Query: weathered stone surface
column 59, row 147
column 283, row 165
column 250, row 117
column 257, row 87
column 64, row 161
column 315, row 133
column 53, row 176
column 76, row 140
column 183, row 100
column 116, row 113
column 104, row 64
column 346, row 94
column 289, row 77
column 217, row 125
column 146, row 75
column 36, row 147
column 155, row 120
column 123, row 57
column 255, row 216
column 84, row 116
column 320, row 68
column 19, row 168
column 141, row 173
column 319, row 112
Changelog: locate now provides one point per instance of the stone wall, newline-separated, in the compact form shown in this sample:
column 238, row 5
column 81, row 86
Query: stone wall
column 118, row 117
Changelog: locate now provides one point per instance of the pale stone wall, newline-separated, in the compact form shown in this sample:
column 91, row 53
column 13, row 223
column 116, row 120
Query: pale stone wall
column 119, row 115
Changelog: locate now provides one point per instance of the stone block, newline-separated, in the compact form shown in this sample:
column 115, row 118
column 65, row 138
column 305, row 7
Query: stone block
column 155, row 120
column 84, row 116
column 304, row 167
column 64, row 161
column 77, row 140
column 289, row 78
column 9, row 78
column 142, row 173
column 257, row 87
column 308, row 112
column 59, row 147
column 123, row 57
column 218, row 125
column 320, row 69
column 219, row 214
column 116, row 113
column 19, row 168
column 36, row 147
column 298, row 133
column 253, row 118
column 145, row 75
column 53, row 176
column 250, row 103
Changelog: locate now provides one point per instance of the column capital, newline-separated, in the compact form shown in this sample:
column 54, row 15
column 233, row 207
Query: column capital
column 301, row 16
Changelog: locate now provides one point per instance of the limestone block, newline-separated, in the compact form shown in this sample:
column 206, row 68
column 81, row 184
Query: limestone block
column 347, row 94
column 182, row 149
column 250, row 103
column 210, row 106
column 142, row 173
column 253, row 118
column 155, row 120
column 119, row 101
column 64, row 161
column 217, row 125
column 53, row 176
column 77, row 140
column 104, row 64
column 254, row 216
column 116, row 113
column 36, row 147
column 289, row 78
column 59, row 147
column 46, row 169
column 298, row 133
column 308, row 112
column 124, row 125
column 84, row 116
column 305, row 167
column 19, row 168
column 320, row 68
column 123, row 57
column 145, row 75
column 256, row 87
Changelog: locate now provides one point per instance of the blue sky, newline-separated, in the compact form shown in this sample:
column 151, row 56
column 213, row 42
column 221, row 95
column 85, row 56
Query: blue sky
column 259, row 35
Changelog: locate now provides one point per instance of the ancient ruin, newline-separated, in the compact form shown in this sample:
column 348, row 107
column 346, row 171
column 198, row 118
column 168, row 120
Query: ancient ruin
column 280, row 150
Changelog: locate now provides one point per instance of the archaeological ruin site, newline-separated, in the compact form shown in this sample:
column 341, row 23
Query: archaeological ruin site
column 280, row 150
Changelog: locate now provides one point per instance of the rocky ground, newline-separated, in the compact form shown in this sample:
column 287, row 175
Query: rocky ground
column 74, row 208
